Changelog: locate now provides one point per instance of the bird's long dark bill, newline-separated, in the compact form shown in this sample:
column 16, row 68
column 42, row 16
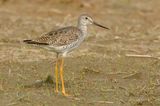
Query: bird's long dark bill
column 100, row 25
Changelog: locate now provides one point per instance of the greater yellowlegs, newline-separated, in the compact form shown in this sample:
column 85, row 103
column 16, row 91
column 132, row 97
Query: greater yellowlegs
column 64, row 40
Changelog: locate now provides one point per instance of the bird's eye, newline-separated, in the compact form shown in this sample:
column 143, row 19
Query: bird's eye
column 86, row 18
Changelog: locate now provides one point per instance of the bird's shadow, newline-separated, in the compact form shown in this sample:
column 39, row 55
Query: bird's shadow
column 49, row 82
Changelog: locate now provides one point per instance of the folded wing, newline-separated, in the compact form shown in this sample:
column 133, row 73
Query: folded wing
column 59, row 37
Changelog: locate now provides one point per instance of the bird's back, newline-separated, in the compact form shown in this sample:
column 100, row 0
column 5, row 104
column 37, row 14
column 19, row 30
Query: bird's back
column 64, row 37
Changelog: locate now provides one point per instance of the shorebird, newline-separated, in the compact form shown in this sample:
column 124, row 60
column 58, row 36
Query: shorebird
column 63, row 41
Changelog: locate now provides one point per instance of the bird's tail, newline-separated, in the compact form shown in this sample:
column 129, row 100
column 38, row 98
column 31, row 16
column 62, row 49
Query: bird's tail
column 29, row 41
column 34, row 42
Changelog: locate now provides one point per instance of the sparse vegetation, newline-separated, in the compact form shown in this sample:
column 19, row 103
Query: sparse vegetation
column 119, row 67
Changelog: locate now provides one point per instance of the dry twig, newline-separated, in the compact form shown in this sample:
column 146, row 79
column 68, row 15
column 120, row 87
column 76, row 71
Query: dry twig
column 141, row 56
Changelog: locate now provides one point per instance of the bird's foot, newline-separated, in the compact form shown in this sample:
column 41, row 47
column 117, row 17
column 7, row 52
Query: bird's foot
column 56, row 91
column 65, row 94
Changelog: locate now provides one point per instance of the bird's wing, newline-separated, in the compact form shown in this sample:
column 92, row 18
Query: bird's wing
column 58, row 37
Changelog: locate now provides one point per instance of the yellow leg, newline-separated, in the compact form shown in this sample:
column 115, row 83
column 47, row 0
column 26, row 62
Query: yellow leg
column 56, row 75
column 62, row 80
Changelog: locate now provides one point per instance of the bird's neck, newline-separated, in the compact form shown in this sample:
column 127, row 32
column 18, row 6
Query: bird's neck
column 83, row 28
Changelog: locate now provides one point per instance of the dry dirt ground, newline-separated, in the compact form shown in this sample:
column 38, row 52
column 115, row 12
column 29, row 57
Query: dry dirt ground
column 117, row 67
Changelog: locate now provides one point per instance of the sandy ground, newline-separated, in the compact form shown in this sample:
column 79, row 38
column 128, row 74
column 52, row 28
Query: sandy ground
column 118, row 67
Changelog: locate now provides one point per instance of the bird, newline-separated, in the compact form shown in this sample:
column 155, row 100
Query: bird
column 62, row 41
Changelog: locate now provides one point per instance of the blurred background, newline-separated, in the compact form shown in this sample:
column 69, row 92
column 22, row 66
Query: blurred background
column 118, row 67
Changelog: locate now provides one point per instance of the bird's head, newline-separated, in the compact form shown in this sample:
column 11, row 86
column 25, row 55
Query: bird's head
column 85, row 19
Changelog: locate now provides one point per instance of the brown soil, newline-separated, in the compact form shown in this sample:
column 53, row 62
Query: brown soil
column 118, row 67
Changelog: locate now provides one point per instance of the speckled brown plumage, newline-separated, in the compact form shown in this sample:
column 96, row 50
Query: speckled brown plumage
column 60, row 37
